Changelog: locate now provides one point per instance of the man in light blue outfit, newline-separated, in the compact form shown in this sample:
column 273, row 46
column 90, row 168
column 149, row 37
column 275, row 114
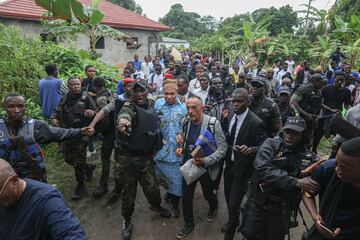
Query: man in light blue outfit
column 170, row 111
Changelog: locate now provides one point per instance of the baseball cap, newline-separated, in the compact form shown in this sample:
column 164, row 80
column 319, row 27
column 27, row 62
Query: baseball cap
column 284, row 90
column 140, row 83
column 317, row 76
column 339, row 73
column 259, row 80
column 297, row 124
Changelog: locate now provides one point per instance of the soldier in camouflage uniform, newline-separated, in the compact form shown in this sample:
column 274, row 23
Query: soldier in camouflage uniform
column 264, row 107
column 76, row 109
column 139, row 132
column 107, row 129
column 108, row 111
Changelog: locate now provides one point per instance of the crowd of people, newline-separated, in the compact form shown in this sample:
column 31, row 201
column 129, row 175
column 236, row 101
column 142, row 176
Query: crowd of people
column 172, row 124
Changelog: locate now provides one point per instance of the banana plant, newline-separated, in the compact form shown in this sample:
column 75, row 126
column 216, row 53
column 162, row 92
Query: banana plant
column 323, row 49
column 71, row 17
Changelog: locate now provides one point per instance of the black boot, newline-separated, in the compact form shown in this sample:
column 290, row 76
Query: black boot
column 100, row 191
column 126, row 230
column 89, row 172
column 115, row 194
column 79, row 191
column 162, row 211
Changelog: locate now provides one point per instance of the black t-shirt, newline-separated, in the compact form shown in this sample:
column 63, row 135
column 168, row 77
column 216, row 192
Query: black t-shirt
column 346, row 210
column 87, row 84
column 39, row 214
column 335, row 98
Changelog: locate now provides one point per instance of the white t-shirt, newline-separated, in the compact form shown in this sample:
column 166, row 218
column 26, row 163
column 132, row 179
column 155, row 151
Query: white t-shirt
column 157, row 80
column 201, row 93
column 194, row 84
column 290, row 66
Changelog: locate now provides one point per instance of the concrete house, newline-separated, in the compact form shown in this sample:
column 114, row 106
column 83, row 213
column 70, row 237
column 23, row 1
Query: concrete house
column 26, row 15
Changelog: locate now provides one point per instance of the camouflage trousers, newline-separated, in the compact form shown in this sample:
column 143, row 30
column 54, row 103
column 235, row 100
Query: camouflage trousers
column 131, row 170
column 75, row 155
column 107, row 147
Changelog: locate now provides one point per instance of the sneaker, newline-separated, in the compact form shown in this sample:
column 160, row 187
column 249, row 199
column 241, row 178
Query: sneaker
column 100, row 191
column 79, row 192
column 162, row 211
column 211, row 215
column 89, row 172
column 126, row 231
column 184, row 231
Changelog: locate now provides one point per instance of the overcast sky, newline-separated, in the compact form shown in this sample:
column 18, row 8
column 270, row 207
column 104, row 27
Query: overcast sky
column 221, row 8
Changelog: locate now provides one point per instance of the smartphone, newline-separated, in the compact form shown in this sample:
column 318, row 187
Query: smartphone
column 326, row 229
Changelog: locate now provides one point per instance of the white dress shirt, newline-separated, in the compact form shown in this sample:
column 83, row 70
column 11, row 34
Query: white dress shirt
column 240, row 121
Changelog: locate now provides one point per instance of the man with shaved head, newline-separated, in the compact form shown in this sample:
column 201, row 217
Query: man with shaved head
column 245, row 132
column 33, row 210
column 192, row 127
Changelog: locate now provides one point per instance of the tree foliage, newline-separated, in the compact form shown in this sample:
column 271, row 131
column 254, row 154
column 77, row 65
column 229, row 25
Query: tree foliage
column 129, row 4
column 187, row 25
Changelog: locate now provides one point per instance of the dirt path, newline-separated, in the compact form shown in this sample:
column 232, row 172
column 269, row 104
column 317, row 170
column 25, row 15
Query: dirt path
column 103, row 222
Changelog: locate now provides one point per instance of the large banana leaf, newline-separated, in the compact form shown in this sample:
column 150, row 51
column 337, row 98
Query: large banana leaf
column 69, row 10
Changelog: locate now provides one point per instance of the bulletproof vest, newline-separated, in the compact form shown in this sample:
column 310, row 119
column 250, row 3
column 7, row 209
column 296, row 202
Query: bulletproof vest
column 146, row 133
column 25, row 166
column 311, row 103
column 75, row 114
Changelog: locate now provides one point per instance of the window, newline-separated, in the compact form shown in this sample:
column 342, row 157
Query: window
column 133, row 45
column 100, row 44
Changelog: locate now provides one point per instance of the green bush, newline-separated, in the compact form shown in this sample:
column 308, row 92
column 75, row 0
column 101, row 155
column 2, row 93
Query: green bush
column 23, row 59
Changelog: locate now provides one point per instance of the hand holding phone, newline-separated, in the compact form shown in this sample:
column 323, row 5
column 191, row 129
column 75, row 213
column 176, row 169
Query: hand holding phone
column 325, row 231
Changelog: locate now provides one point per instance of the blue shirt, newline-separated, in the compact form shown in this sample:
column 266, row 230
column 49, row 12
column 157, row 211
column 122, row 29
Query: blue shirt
column 120, row 88
column 50, row 95
column 137, row 65
column 170, row 124
column 39, row 214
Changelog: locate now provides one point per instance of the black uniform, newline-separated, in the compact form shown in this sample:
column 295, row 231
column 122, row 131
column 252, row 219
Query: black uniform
column 268, row 111
column 309, row 100
column 274, row 198
column 286, row 111
column 70, row 113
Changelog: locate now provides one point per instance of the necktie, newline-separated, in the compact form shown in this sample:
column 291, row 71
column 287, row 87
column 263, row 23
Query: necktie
column 232, row 132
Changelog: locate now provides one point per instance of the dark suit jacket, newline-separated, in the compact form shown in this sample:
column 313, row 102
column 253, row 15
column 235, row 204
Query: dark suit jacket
column 252, row 134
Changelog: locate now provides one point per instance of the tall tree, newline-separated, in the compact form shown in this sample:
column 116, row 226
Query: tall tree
column 283, row 19
column 187, row 25
column 129, row 4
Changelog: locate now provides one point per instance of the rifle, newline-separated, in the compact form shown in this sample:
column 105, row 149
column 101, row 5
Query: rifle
column 31, row 163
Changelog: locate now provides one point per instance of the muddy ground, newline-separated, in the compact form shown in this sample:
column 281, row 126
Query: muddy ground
column 104, row 222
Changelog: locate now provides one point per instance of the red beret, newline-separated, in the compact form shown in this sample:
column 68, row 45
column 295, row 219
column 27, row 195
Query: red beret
column 128, row 80
column 168, row 76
